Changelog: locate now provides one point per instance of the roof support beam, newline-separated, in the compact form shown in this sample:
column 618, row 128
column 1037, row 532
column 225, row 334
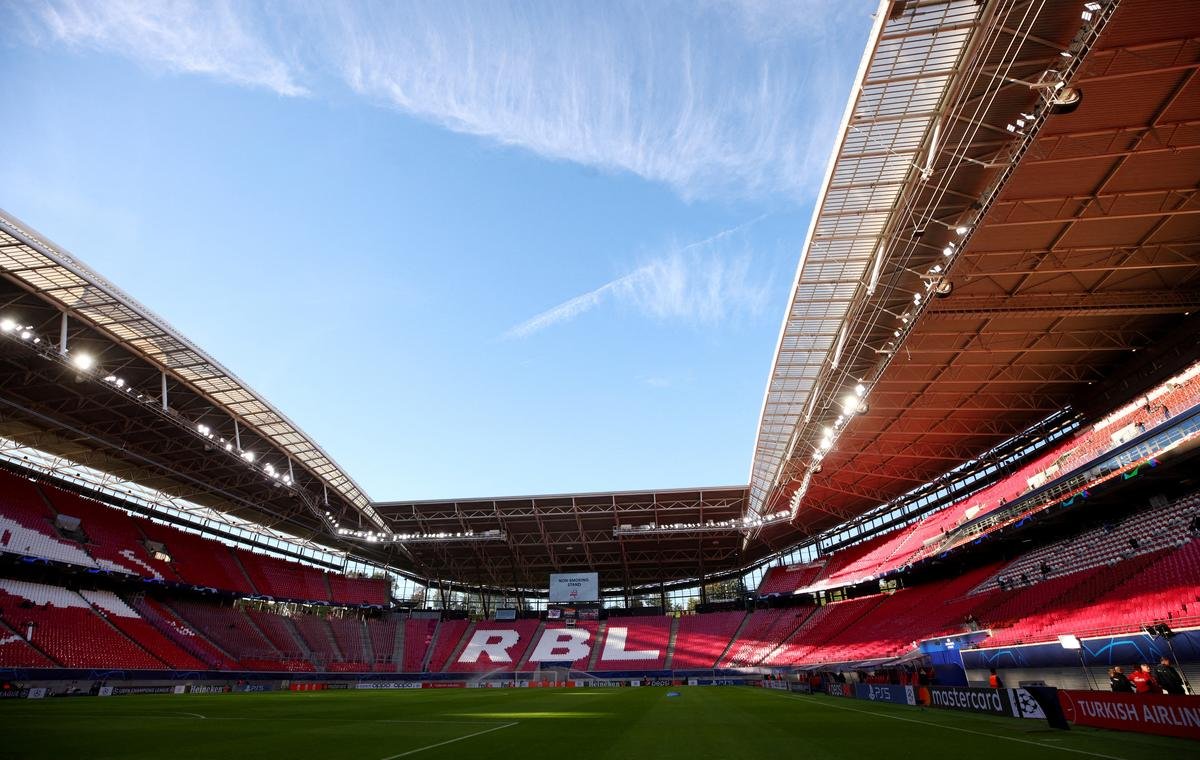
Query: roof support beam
column 1132, row 302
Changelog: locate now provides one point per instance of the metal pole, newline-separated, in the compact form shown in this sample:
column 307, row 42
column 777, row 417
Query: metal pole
column 62, row 336
column 1087, row 674
column 164, row 391
column 1187, row 686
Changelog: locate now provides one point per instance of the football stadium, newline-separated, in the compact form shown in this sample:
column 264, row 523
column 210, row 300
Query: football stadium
column 970, row 525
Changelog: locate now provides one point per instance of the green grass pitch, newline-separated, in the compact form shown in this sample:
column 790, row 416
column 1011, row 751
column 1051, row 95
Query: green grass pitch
column 704, row 722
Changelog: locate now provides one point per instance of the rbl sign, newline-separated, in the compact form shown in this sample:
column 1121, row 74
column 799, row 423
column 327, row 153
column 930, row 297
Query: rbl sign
column 499, row 645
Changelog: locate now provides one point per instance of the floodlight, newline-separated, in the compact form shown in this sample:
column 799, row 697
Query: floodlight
column 850, row 404
column 7, row 325
column 84, row 361
column 1069, row 641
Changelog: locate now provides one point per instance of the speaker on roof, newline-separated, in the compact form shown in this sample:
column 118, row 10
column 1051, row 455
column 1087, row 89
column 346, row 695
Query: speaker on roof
column 1066, row 100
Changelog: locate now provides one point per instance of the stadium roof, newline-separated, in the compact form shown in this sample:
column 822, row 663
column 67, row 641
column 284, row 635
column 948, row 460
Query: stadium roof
column 633, row 538
column 53, row 274
column 1062, row 240
column 1066, row 240
column 897, row 97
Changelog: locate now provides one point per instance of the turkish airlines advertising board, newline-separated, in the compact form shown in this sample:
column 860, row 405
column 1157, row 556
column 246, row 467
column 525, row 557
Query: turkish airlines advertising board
column 1148, row 713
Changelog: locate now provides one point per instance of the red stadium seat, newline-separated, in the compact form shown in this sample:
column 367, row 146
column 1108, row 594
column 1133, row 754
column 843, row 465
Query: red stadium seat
column 701, row 639
column 642, row 634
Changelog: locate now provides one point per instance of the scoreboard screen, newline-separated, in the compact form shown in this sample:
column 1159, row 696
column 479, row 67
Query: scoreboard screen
column 569, row 588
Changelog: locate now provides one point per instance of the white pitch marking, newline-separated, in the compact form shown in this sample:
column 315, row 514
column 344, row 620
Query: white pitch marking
column 450, row 741
column 953, row 728
column 175, row 716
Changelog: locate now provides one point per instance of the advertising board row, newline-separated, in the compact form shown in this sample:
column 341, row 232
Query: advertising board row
column 1034, row 702
column 1162, row 714
column 121, row 691
column 898, row 695
column 583, row 683
column 36, row 693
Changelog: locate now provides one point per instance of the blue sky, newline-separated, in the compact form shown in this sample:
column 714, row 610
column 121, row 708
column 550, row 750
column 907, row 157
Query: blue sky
column 473, row 249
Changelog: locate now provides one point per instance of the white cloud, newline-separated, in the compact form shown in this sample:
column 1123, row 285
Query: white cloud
column 698, row 283
column 715, row 98
column 673, row 93
column 214, row 37
column 775, row 21
column 568, row 310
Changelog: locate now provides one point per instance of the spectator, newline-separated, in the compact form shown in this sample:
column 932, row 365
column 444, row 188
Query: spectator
column 1168, row 677
column 1143, row 680
column 994, row 680
column 1118, row 681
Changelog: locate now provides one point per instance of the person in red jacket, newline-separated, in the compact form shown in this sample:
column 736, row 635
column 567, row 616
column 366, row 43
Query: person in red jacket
column 1143, row 680
column 994, row 680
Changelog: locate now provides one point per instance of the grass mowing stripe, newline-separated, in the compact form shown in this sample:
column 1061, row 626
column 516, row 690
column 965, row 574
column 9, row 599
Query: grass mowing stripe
column 818, row 701
column 632, row 724
column 449, row 741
